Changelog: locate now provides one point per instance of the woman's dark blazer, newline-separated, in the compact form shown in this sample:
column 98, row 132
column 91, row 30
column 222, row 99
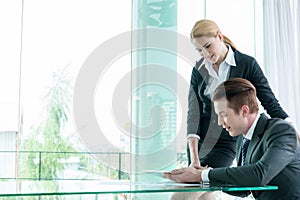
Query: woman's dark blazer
column 201, row 116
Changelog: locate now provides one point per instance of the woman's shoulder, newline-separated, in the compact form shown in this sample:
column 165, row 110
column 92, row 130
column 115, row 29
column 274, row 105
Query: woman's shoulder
column 242, row 57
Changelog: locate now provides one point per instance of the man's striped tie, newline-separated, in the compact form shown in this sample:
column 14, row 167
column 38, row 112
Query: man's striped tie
column 244, row 149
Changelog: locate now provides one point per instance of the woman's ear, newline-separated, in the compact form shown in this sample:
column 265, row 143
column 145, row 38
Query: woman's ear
column 220, row 35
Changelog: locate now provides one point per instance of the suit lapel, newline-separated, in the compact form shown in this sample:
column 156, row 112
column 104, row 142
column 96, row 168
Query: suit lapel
column 204, row 74
column 256, row 137
column 239, row 153
column 235, row 71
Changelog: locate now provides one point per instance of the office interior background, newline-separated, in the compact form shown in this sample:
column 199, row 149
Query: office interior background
column 78, row 76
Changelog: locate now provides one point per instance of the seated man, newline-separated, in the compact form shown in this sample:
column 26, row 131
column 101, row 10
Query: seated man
column 273, row 155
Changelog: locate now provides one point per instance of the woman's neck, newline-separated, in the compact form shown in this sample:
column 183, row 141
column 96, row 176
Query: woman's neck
column 222, row 58
column 224, row 52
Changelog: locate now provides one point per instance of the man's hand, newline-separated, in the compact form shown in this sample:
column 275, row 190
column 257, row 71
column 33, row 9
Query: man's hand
column 185, row 175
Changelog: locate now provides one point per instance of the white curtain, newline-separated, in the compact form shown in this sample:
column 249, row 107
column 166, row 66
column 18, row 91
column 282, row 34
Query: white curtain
column 281, row 53
column 297, row 21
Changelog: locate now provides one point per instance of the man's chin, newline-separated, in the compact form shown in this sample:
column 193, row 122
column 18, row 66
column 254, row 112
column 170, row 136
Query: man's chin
column 232, row 134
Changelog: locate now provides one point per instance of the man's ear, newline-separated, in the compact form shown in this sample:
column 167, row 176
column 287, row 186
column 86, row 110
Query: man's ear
column 245, row 110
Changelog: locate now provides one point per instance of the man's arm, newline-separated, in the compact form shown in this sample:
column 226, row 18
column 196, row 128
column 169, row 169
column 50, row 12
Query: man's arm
column 273, row 152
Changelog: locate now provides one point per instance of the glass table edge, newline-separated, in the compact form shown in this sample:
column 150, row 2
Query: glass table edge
column 183, row 189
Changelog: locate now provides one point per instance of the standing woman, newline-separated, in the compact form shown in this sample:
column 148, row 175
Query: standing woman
column 208, row 143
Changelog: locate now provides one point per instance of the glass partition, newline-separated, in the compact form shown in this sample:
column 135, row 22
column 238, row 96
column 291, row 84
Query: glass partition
column 154, row 103
column 10, row 50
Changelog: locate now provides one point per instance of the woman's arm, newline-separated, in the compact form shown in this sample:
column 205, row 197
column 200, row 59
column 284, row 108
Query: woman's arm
column 193, row 119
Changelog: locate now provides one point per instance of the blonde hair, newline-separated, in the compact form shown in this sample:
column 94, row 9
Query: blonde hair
column 206, row 27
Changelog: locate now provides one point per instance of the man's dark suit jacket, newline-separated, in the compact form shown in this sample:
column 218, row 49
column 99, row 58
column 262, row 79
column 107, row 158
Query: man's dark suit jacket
column 273, row 158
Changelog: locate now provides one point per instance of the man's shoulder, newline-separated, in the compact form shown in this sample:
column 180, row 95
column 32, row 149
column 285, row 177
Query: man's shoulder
column 271, row 120
column 274, row 125
column 278, row 121
column 278, row 126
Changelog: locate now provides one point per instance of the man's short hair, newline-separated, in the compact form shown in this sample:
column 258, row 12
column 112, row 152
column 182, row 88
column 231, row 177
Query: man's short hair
column 238, row 92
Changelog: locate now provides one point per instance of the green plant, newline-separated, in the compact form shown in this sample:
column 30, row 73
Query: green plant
column 40, row 162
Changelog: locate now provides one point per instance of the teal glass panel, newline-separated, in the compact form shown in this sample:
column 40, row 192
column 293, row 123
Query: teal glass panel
column 154, row 105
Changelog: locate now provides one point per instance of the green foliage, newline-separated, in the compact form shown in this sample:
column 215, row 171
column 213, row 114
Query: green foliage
column 47, row 137
column 41, row 160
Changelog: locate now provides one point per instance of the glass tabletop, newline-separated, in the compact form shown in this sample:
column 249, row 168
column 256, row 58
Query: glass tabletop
column 77, row 187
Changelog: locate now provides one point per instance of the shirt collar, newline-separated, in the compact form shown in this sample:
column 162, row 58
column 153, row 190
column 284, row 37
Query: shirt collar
column 251, row 129
column 230, row 56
